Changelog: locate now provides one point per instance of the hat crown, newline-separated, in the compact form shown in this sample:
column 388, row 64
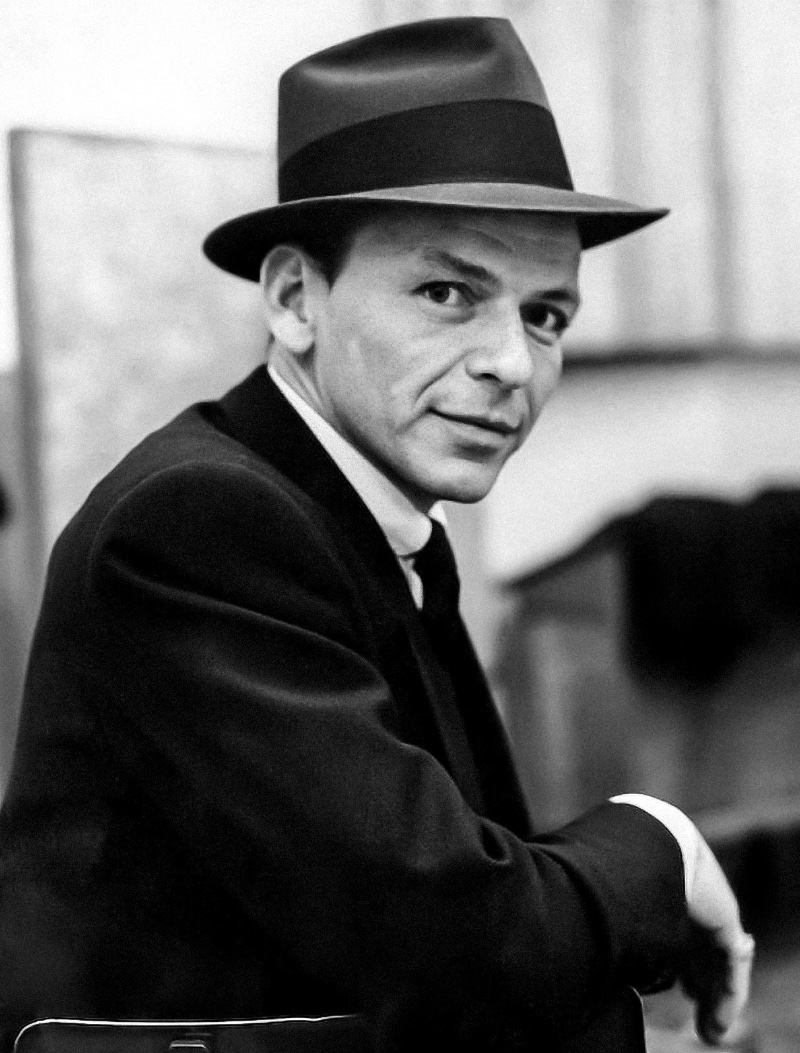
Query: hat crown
column 407, row 67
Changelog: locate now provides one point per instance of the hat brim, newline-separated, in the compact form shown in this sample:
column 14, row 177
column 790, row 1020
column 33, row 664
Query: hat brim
column 239, row 245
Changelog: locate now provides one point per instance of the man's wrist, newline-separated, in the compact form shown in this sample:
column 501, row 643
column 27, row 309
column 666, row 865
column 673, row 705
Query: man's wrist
column 679, row 825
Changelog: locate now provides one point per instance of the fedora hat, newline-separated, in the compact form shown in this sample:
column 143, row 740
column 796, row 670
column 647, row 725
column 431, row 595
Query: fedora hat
column 447, row 112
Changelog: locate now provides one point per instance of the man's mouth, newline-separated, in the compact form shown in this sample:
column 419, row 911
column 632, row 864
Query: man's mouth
column 486, row 422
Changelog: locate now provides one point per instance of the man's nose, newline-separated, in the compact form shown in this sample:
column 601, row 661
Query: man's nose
column 504, row 351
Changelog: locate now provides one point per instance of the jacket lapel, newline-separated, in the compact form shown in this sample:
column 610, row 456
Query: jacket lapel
column 502, row 791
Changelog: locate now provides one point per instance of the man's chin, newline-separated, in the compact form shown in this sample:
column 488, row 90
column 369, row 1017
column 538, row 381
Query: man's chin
column 435, row 478
column 463, row 489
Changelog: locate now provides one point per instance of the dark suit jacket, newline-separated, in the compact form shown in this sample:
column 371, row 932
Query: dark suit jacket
column 239, row 786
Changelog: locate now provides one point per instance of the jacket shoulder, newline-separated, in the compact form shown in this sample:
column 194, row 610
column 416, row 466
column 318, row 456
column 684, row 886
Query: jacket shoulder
column 193, row 506
column 194, row 449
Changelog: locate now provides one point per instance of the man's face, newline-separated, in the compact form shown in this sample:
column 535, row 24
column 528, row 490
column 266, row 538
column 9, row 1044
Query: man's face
column 439, row 343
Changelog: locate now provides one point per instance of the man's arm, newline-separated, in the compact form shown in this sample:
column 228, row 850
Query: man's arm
column 269, row 740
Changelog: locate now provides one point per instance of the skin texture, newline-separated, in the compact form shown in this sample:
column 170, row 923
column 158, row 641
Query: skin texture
column 437, row 346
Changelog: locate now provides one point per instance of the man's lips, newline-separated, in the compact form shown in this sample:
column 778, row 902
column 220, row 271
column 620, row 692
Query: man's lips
column 498, row 425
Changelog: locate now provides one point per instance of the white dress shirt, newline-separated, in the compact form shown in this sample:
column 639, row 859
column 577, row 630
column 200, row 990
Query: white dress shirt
column 407, row 529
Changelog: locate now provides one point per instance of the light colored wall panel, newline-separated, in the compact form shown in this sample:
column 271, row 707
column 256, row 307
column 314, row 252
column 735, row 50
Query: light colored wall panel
column 763, row 120
column 123, row 322
column 15, row 601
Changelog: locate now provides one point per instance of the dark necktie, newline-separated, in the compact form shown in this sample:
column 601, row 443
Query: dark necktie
column 436, row 567
column 476, row 746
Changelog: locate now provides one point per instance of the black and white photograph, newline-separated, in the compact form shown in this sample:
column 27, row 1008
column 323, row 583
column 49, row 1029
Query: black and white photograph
column 400, row 526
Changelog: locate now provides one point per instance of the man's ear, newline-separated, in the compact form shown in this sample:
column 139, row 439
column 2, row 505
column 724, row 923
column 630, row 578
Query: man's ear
column 290, row 284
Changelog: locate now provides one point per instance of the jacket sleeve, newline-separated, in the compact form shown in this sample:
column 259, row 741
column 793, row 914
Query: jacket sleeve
column 234, row 683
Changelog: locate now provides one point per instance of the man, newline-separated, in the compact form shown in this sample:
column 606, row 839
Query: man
column 258, row 770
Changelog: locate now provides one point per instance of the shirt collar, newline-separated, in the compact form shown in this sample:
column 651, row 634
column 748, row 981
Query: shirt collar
column 406, row 528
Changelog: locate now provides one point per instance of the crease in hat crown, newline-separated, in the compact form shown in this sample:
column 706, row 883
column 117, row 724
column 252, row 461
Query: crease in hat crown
column 444, row 113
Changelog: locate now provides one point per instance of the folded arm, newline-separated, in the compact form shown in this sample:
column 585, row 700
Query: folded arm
column 272, row 743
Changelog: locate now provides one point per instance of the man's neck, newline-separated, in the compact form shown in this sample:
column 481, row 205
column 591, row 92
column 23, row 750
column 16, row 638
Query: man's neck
column 407, row 527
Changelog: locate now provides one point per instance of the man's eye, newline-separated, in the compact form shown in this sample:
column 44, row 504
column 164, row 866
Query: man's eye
column 545, row 319
column 447, row 294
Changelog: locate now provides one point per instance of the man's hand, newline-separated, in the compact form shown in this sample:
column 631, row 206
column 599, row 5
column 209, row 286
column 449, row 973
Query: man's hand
column 715, row 972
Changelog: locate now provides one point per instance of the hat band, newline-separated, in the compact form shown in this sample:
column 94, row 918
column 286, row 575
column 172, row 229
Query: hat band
column 484, row 141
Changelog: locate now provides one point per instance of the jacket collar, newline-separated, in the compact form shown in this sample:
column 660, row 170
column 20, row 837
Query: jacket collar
column 405, row 526
column 257, row 414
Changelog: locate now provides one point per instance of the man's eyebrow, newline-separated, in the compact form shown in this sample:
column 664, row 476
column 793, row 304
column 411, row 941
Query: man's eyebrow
column 440, row 257
column 461, row 266
column 568, row 297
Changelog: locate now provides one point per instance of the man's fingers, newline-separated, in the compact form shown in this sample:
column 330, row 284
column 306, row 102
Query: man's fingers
column 716, row 975
column 729, row 1010
column 720, row 953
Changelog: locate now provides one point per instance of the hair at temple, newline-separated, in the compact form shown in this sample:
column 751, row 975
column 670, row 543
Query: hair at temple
column 328, row 235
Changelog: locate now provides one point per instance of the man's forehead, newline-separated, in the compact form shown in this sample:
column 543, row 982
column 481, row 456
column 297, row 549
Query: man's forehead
column 529, row 239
